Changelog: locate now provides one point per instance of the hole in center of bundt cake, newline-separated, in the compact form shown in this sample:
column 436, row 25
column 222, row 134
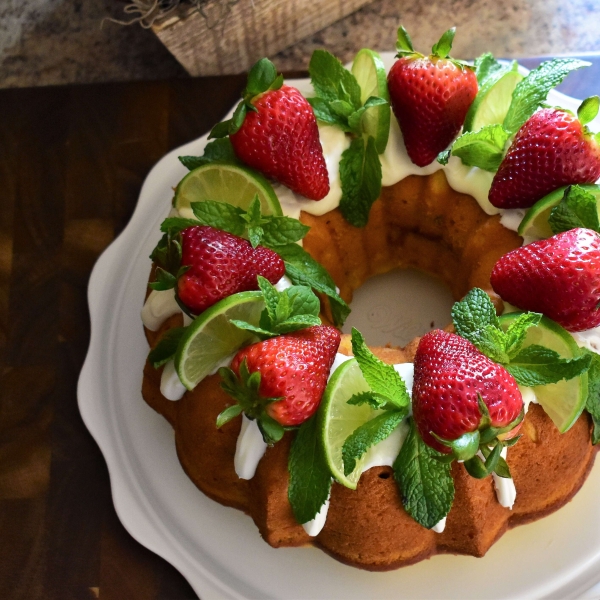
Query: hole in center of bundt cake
column 395, row 307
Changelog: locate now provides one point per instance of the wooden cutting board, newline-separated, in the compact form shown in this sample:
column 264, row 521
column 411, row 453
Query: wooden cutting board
column 72, row 161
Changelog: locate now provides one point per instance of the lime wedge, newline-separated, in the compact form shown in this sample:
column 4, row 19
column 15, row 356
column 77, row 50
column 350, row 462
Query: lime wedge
column 225, row 183
column 492, row 101
column 211, row 338
column 370, row 73
column 562, row 401
column 338, row 419
column 535, row 222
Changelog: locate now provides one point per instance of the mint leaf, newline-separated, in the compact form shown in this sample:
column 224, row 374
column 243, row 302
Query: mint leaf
column 487, row 69
column 278, row 231
column 219, row 215
column 473, row 314
column 483, row 148
column 166, row 347
column 578, row 208
column 537, row 365
column 254, row 221
column 331, row 80
column 517, row 332
column 381, row 377
column 531, row 92
column 360, row 175
column 174, row 225
column 426, row 486
column 368, row 434
column 303, row 269
column 592, row 404
column 220, row 151
column 302, row 301
column 325, row 114
column 310, row 479
column 370, row 398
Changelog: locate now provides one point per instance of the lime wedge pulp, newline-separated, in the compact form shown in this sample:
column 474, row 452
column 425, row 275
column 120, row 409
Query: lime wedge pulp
column 212, row 338
column 225, row 183
column 562, row 401
column 492, row 102
column 370, row 73
column 535, row 222
column 338, row 419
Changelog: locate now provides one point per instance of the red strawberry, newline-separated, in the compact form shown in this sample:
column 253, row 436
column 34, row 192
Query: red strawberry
column 430, row 97
column 450, row 374
column 221, row 264
column 553, row 148
column 281, row 140
column 559, row 277
column 294, row 367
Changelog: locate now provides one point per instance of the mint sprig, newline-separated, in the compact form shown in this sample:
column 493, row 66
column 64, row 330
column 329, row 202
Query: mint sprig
column 261, row 78
column 388, row 392
column 578, row 208
column 295, row 308
column 426, row 485
column 303, row 269
column 475, row 319
column 310, row 479
column 338, row 102
column 217, row 151
column 531, row 91
column 592, row 404
column 483, row 148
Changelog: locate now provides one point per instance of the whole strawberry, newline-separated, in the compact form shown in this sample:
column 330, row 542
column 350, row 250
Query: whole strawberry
column 553, row 148
column 274, row 130
column 430, row 96
column 280, row 381
column 450, row 377
column 559, row 277
column 221, row 264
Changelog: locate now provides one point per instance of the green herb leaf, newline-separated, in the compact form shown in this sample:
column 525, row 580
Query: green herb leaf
column 588, row 109
column 578, row 208
column 310, row 479
column 325, row 114
column 368, row 434
column 360, row 175
column 444, row 45
column 592, row 404
column 220, row 215
column 473, row 314
column 426, row 486
column 303, row 269
column 219, row 151
column 166, row 348
column 537, row 365
column 381, row 377
column 483, row 148
column 174, row 225
column 279, row 231
column 517, row 332
column 370, row 398
column 533, row 89
column 331, row 80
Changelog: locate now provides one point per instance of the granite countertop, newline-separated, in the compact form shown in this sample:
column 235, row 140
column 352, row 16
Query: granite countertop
column 49, row 42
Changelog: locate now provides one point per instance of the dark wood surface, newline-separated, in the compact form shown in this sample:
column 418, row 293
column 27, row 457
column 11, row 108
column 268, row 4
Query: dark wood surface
column 72, row 160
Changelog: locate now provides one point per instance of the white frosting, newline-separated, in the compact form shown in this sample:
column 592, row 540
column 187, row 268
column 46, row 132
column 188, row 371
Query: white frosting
column 529, row 397
column 159, row 306
column 505, row 488
column 283, row 284
column 249, row 449
column 511, row 217
column 170, row 385
column 337, row 361
column 439, row 526
column 590, row 339
column 314, row 526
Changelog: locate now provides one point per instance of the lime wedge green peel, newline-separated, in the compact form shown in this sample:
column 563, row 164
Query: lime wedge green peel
column 212, row 338
column 225, row 183
column 492, row 102
column 337, row 419
column 563, row 401
column 370, row 73
column 535, row 222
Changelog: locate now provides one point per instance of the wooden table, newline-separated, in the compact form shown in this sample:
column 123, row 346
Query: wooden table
column 72, row 160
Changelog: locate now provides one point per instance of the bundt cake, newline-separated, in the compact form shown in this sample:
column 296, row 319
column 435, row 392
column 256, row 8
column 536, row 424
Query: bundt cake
column 418, row 213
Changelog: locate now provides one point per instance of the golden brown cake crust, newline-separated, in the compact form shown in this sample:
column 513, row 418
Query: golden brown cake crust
column 420, row 222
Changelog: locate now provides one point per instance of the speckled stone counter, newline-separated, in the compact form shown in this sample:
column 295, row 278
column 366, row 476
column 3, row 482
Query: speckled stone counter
column 48, row 42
